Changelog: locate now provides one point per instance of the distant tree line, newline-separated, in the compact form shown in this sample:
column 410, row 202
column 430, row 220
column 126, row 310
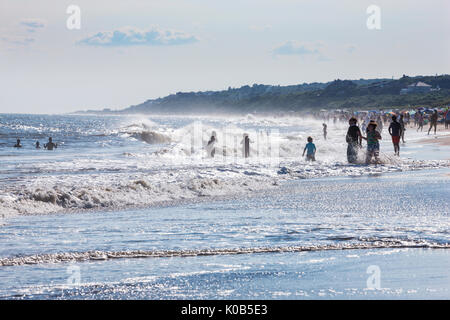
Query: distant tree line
column 338, row 94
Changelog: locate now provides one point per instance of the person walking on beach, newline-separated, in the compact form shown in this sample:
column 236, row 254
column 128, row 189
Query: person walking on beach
column 373, row 146
column 324, row 131
column 311, row 150
column 354, row 139
column 402, row 124
column 246, row 142
column 416, row 119
column 38, row 145
column 50, row 145
column 420, row 121
column 433, row 121
column 395, row 130
column 18, row 144
column 447, row 119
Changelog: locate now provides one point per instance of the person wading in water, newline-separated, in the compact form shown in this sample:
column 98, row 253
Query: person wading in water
column 353, row 139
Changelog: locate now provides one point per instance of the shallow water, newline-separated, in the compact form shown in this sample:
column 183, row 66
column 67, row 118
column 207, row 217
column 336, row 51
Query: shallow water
column 404, row 274
column 403, row 211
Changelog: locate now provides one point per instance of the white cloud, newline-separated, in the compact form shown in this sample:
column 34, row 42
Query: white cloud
column 130, row 36
column 316, row 50
column 293, row 47
column 33, row 24
column 17, row 40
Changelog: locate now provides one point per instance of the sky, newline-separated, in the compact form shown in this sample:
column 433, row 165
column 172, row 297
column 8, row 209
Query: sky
column 117, row 53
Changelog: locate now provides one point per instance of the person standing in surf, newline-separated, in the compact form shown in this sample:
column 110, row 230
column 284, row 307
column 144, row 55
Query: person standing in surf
column 395, row 130
column 373, row 146
column 246, row 142
column 210, row 148
column 324, row 131
column 354, row 139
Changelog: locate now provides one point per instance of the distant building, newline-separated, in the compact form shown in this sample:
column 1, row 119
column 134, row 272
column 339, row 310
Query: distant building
column 418, row 87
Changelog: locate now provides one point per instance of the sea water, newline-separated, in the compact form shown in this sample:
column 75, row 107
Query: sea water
column 255, row 232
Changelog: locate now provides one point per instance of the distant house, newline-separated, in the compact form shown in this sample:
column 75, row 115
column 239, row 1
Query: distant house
column 418, row 87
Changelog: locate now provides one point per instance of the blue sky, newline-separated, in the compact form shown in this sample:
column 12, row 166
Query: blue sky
column 129, row 51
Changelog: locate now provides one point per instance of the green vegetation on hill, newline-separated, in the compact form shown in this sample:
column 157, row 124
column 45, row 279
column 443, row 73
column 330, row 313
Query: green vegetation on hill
column 339, row 94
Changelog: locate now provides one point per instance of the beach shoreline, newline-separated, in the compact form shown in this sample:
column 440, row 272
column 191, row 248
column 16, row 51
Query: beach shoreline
column 443, row 140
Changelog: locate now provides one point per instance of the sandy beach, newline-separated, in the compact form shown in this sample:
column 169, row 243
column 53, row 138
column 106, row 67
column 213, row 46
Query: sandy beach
column 442, row 139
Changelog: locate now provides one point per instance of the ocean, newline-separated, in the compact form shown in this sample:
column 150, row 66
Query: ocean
column 135, row 207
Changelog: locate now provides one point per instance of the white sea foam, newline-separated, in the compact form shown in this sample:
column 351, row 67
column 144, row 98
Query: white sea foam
column 174, row 171
column 96, row 255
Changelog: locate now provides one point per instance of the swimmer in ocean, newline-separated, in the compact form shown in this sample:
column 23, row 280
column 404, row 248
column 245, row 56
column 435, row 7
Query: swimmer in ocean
column 50, row 145
column 18, row 145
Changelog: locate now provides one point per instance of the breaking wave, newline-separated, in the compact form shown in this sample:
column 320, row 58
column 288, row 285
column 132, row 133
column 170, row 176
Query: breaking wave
column 109, row 255
column 144, row 131
column 143, row 188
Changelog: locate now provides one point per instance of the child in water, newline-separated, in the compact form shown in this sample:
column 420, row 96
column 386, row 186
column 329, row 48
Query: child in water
column 373, row 146
column 311, row 150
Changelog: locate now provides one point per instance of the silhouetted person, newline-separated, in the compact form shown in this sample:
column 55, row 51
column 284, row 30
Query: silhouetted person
column 447, row 118
column 18, row 145
column 324, row 131
column 38, row 145
column 50, row 145
column 246, row 143
column 402, row 124
column 354, row 139
column 210, row 146
column 420, row 121
column 396, row 130
column 433, row 121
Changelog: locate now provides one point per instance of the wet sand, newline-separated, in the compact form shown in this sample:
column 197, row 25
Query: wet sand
column 443, row 138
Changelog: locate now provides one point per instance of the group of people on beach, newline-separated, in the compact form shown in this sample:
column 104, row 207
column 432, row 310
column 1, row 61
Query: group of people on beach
column 373, row 130
column 354, row 139
column 372, row 123
column 50, row 145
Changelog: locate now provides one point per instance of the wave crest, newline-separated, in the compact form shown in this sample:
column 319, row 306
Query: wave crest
column 108, row 255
